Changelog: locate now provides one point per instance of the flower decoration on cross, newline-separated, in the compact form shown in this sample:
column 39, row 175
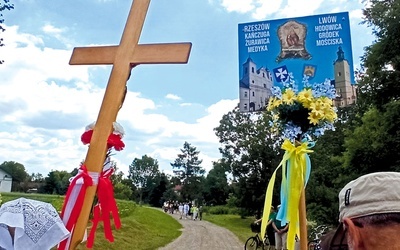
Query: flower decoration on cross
column 299, row 117
column 308, row 112
column 114, row 139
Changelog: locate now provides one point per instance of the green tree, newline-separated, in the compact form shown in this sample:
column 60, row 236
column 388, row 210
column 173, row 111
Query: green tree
column 4, row 5
column 374, row 145
column 37, row 177
column 251, row 151
column 216, row 190
column 373, row 141
column 381, row 62
column 142, row 173
column 189, row 171
column 157, row 193
column 56, row 182
column 188, row 163
column 170, row 195
column 122, row 191
column 18, row 173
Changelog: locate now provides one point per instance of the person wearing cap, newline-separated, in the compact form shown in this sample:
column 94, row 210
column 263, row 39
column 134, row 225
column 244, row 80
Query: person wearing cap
column 369, row 214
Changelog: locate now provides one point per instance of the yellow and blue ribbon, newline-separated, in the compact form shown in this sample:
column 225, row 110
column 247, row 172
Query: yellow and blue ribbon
column 295, row 174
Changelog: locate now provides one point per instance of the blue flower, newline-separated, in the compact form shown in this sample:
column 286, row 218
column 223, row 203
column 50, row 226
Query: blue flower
column 294, row 118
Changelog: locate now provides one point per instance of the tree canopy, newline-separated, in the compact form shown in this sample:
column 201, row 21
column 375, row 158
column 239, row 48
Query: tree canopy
column 4, row 5
column 142, row 172
column 187, row 168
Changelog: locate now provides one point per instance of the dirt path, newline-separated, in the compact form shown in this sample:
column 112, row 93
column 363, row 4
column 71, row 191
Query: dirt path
column 203, row 235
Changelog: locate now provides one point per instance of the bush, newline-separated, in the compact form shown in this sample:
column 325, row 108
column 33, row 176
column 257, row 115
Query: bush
column 221, row 210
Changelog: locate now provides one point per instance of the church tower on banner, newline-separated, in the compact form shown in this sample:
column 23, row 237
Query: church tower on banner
column 344, row 89
column 255, row 87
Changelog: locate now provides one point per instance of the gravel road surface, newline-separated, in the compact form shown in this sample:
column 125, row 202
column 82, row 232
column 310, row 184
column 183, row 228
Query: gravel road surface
column 203, row 235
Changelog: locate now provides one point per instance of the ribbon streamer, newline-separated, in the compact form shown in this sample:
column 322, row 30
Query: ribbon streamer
column 295, row 174
column 74, row 200
column 106, row 206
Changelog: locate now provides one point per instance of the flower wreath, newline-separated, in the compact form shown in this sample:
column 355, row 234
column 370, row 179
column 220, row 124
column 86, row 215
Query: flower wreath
column 114, row 139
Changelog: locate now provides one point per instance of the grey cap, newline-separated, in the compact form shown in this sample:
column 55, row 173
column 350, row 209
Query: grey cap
column 375, row 193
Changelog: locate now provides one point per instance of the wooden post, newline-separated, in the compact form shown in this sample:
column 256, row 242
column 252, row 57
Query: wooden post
column 127, row 53
column 303, row 221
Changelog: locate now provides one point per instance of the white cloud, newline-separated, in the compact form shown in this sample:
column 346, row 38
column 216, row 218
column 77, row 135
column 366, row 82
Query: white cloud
column 27, row 61
column 50, row 29
column 266, row 8
column 172, row 97
column 241, row 6
column 261, row 9
column 295, row 8
column 48, row 103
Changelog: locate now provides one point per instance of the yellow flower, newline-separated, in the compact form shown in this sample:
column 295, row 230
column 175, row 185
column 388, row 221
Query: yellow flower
column 314, row 118
column 288, row 96
column 305, row 97
column 273, row 103
column 277, row 102
column 330, row 115
column 317, row 108
column 270, row 104
column 326, row 101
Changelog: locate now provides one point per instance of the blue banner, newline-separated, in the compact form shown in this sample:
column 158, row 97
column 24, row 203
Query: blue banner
column 318, row 46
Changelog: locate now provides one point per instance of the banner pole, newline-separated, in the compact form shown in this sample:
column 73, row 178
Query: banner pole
column 303, row 221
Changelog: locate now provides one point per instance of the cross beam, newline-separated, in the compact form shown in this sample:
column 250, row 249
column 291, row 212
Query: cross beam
column 122, row 57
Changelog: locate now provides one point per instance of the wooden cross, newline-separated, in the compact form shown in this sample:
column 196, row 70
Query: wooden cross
column 123, row 57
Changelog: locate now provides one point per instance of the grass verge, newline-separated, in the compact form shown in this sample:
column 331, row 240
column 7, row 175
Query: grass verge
column 142, row 227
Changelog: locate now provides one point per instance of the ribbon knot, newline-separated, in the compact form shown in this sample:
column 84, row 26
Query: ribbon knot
column 87, row 179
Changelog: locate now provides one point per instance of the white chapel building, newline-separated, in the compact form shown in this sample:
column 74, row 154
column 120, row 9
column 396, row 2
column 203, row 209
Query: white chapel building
column 255, row 87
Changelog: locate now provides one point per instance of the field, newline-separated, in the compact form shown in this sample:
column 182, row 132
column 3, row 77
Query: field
column 144, row 227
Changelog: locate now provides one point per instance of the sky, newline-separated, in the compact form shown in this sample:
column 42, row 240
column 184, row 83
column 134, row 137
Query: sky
column 45, row 103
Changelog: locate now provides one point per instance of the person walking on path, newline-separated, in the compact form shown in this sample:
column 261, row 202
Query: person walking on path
column 180, row 208
column 191, row 211
column 186, row 210
column 200, row 212
column 195, row 212
column 280, row 233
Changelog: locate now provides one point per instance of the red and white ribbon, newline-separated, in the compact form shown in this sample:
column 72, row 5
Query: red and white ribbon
column 74, row 200
column 104, row 208
column 77, row 189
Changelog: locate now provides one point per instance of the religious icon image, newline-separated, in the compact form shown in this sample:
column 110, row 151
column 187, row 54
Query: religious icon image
column 292, row 36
